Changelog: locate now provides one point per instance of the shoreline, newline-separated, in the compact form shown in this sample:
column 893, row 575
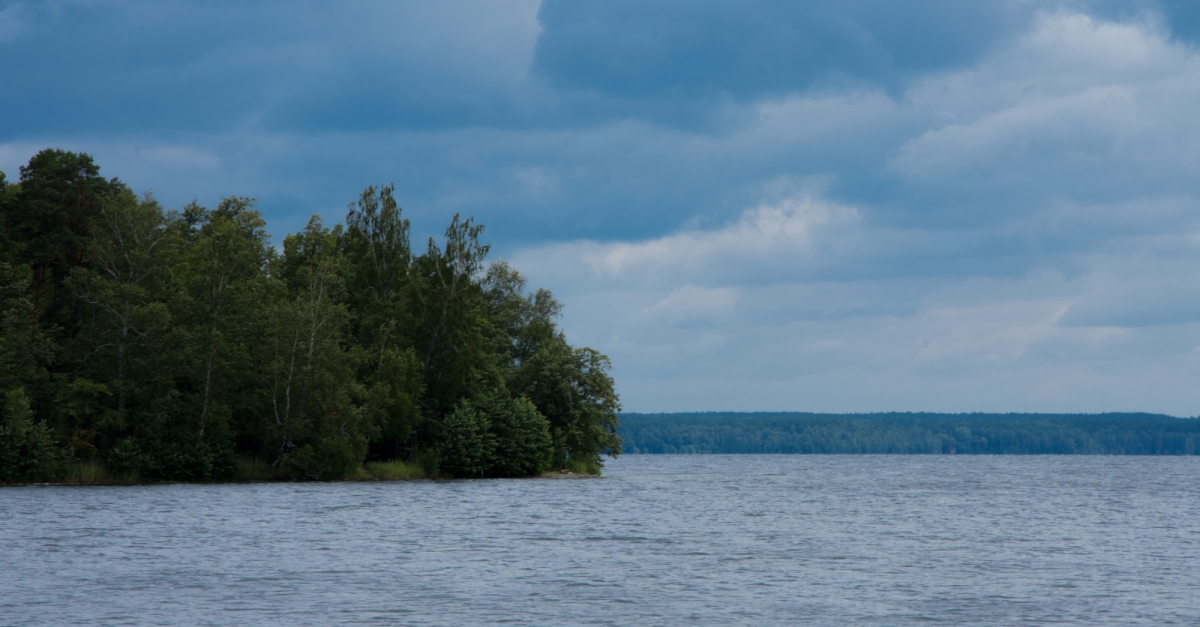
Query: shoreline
column 110, row 482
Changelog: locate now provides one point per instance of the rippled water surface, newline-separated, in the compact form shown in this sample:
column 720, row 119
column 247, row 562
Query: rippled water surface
column 660, row 540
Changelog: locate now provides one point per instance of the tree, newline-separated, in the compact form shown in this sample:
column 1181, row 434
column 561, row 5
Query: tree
column 8, row 246
column 224, row 272
column 308, row 373
column 58, row 195
column 27, row 448
column 571, row 387
column 25, row 352
column 131, row 351
column 449, row 323
column 391, row 376
column 129, row 247
column 522, row 324
column 165, row 344
column 377, row 250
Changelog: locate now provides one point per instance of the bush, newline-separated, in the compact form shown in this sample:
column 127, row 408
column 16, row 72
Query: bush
column 332, row 458
column 522, row 436
column 28, row 451
column 466, row 448
column 171, row 461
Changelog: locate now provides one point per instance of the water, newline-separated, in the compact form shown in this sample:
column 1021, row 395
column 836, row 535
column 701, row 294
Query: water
column 660, row 540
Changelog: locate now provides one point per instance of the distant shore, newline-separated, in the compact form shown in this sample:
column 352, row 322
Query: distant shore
column 910, row 434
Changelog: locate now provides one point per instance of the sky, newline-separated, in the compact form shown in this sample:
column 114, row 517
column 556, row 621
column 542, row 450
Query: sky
column 870, row 205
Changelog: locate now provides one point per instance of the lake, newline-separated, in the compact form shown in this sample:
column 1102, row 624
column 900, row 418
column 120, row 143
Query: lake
column 659, row 540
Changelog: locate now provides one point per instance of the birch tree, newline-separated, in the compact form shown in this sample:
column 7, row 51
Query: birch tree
column 449, row 320
column 308, row 372
column 224, row 270
column 129, row 250
column 378, row 253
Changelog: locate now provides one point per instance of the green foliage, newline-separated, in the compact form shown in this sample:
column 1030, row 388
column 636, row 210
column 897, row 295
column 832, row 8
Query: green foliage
column 495, row 435
column 25, row 352
column 450, row 324
column 522, row 324
column 392, row 378
column 911, row 433
column 28, row 451
column 8, row 247
column 521, row 435
column 571, row 387
column 376, row 248
column 376, row 244
column 466, row 446
column 49, row 218
column 223, row 292
column 125, row 295
column 145, row 344
column 257, row 469
column 172, row 460
column 312, row 405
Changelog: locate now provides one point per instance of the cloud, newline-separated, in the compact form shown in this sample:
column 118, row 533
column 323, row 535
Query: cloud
column 638, row 50
column 778, row 235
column 868, row 206
column 1139, row 290
column 442, row 101
column 178, row 68
column 1101, row 338
column 690, row 303
column 1077, row 107
column 13, row 23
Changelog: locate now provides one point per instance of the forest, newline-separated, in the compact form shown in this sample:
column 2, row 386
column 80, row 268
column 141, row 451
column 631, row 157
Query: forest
column 911, row 433
column 144, row 344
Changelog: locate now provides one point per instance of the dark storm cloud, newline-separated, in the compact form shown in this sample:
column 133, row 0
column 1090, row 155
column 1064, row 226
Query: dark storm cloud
column 174, row 68
column 685, row 48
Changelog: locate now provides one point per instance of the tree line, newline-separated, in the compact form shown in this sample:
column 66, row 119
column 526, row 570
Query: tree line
column 178, row 344
column 911, row 433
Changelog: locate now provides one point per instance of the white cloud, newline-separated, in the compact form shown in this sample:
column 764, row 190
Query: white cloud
column 13, row 23
column 694, row 303
column 1115, row 329
column 1079, row 296
column 772, row 235
column 1075, row 103
column 536, row 181
column 1136, row 290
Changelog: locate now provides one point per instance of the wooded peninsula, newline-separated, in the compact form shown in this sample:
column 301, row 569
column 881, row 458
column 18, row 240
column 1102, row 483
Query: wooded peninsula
column 911, row 433
column 144, row 344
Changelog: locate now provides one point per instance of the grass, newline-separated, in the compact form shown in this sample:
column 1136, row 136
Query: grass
column 392, row 470
column 93, row 472
column 575, row 468
column 584, row 468
column 255, row 469
column 252, row 469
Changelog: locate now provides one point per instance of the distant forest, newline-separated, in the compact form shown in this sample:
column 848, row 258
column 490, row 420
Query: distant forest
column 144, row 343
column 910, row 433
